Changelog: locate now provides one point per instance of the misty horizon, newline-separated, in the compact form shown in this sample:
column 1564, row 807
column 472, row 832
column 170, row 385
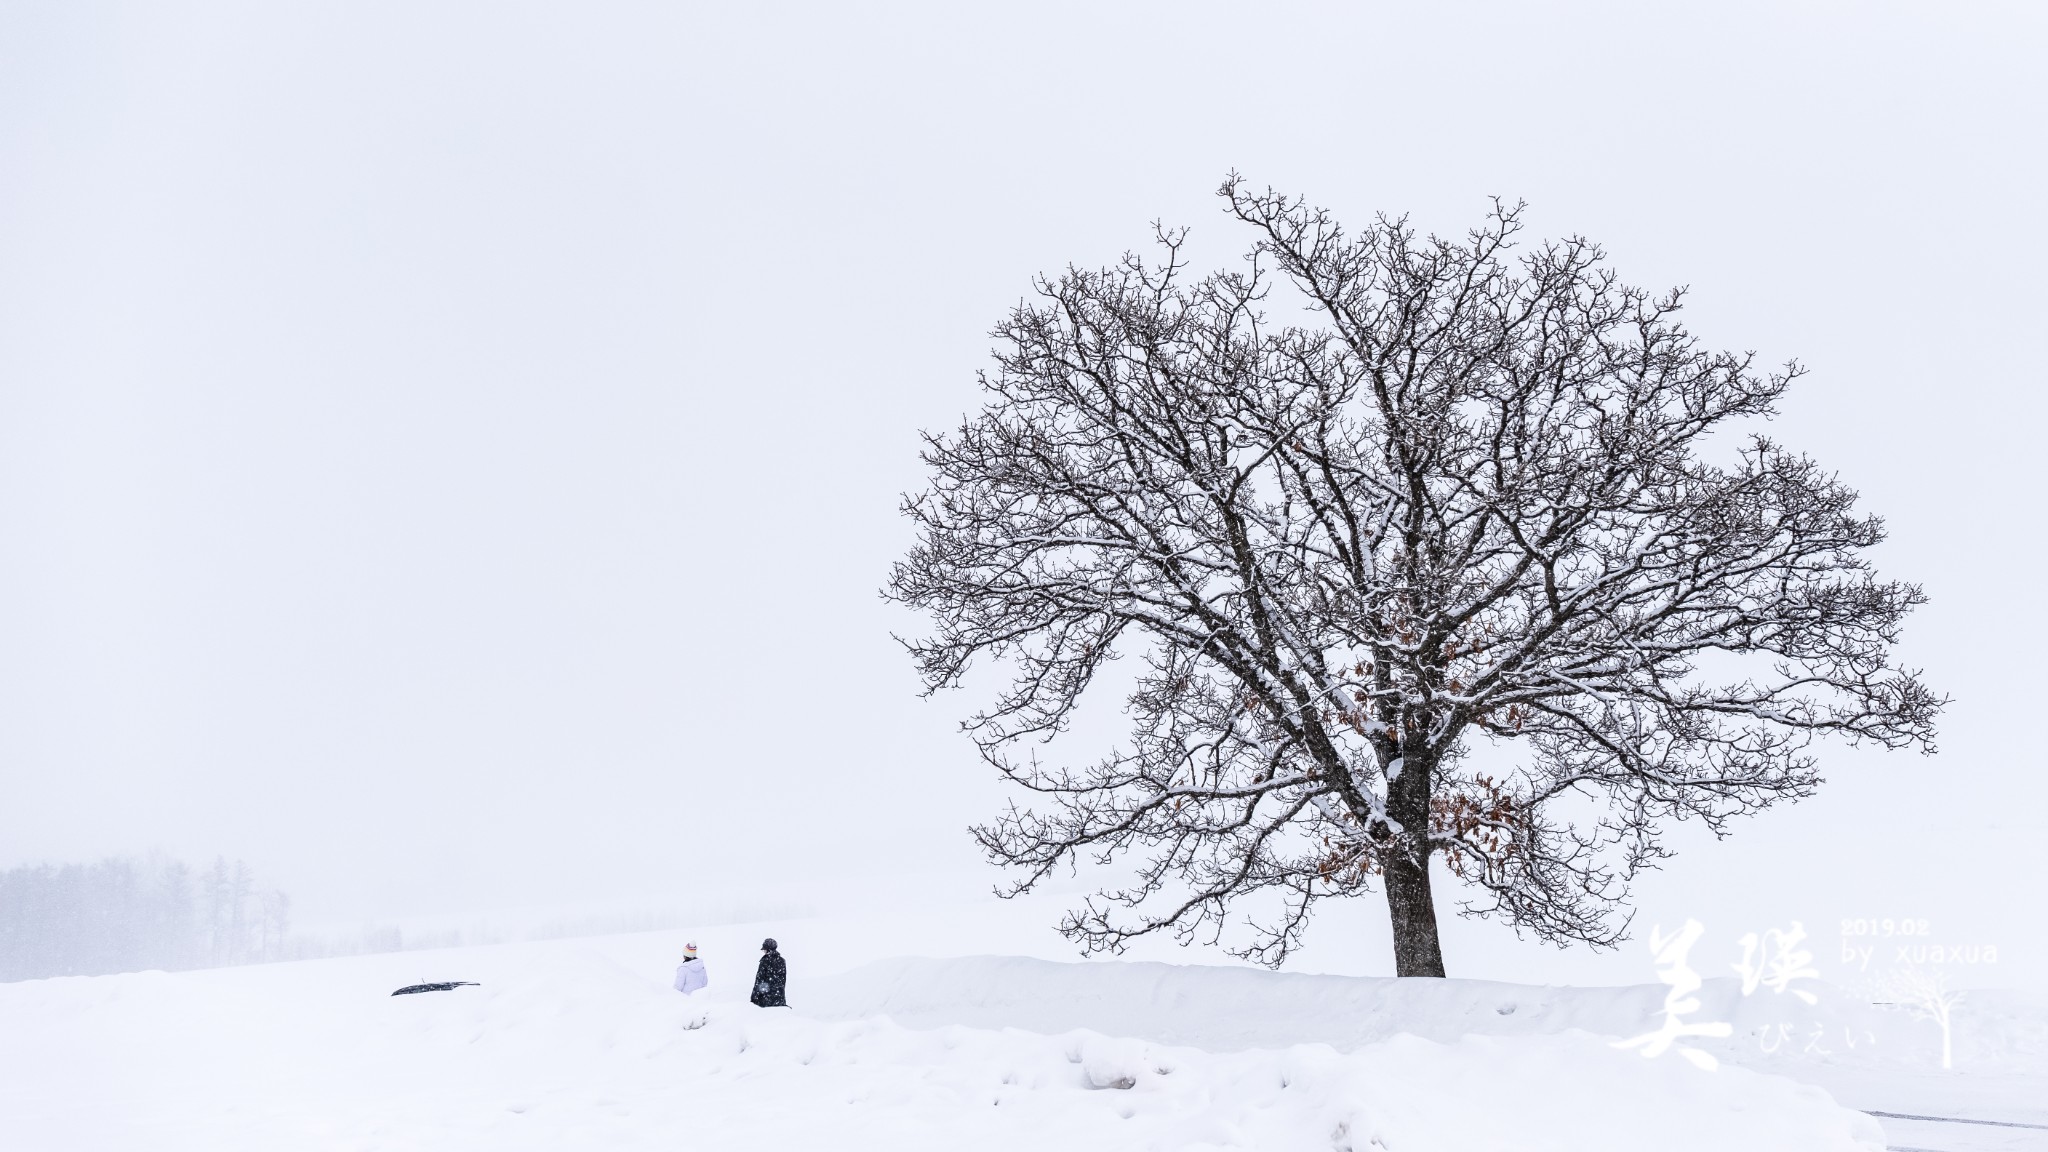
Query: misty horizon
column 449, row 457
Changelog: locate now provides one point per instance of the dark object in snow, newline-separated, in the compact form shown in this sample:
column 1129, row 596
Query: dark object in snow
column 770, row 979
column 444, row 986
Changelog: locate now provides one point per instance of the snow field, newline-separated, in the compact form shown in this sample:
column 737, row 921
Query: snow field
column 582, row 1044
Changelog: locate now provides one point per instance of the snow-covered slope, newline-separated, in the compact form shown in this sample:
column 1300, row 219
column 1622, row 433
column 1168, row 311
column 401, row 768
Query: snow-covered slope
column 580, row 1044
column 1228, row 1008
column 1232, row 1008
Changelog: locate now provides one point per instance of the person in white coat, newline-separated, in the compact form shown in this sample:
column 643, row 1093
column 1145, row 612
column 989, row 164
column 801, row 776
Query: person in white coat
column 690, row 974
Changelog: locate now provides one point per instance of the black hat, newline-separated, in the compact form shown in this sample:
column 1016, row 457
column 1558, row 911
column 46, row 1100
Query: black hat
column 768, row 945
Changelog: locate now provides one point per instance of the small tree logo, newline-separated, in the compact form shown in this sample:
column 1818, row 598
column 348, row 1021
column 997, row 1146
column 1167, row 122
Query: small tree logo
column 1927, row 996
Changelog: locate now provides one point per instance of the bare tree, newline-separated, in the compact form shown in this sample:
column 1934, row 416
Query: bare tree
column 1472, row 498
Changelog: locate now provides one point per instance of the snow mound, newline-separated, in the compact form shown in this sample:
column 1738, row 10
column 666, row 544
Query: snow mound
column 1012, row 1089
column 582, row 1044
column 1218, row 1008
column 1227, row 1009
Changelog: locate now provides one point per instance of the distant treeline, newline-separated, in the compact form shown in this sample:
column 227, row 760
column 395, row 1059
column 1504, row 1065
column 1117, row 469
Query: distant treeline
column 125, row 915
column 132, row 914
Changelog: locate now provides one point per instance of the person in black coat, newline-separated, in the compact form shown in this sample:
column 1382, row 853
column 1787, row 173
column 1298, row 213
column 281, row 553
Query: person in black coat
column 771, row 977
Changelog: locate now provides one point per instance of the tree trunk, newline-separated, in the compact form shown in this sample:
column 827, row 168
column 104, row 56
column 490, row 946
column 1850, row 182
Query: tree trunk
column 1410, row 904
column 1417, row 951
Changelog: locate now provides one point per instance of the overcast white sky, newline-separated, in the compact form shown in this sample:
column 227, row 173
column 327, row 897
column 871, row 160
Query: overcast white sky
column 448, row 452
